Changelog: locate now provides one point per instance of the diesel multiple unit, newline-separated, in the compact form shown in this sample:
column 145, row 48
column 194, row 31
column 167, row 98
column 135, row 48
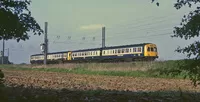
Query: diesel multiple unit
column 145, row 51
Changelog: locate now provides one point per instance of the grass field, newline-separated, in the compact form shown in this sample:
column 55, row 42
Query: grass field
column 136, row 81
column 134, row 69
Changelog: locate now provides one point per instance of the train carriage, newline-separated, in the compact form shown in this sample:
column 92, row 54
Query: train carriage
column 86, row 55
column 145, row 51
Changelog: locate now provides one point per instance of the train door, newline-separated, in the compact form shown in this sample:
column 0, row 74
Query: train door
column 69, row 57
column 65, row 56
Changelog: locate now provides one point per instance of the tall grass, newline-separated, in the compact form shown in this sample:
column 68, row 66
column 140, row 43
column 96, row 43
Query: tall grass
column 134, row 69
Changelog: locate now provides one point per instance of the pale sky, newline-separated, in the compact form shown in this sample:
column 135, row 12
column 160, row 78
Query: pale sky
column 126, row 22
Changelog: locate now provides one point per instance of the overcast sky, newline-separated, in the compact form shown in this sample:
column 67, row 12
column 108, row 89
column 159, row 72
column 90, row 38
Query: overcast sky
column 77, row 24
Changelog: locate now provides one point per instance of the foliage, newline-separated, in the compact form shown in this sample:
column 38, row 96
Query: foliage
column 1, row 77
column 16, row 20
column 1, row 81
column 189, row 28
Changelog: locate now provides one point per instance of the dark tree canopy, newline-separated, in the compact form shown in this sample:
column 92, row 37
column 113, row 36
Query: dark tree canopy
column 189, row 28
column 16, row 20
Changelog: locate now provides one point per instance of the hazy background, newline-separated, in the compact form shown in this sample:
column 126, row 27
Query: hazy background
column 76, row 24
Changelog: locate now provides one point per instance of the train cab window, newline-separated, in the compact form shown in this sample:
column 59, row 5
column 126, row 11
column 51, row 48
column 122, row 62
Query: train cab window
column 149, row 49
column 152, row 49
column 155, row 49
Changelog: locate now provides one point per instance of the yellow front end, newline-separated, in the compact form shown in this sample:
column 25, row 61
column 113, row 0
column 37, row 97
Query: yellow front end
column 150, row 50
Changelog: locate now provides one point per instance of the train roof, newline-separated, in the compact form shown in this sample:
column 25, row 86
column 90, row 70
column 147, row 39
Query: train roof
column 93, row 49
column 51, row 53
column 112, row 47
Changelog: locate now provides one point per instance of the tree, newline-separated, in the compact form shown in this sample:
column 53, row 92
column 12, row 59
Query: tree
column 189, row 28
column 16, row 21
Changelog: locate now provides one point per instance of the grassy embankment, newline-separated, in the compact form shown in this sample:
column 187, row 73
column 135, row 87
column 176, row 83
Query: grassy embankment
column 134, row 69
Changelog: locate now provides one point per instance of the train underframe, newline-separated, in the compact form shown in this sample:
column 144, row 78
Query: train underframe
column 102, row 60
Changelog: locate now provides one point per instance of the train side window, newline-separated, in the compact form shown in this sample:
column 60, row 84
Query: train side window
column 127, row 50
column 134, row 50
column 122, row 50
column 111, row 52
column 139, row 49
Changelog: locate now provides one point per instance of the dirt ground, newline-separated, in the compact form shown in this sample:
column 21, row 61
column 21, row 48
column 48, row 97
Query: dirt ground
column 54, row 80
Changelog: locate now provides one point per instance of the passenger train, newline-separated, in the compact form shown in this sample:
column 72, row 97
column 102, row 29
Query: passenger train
column 144, row 51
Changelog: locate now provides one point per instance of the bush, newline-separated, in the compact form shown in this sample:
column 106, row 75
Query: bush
column 1, row 78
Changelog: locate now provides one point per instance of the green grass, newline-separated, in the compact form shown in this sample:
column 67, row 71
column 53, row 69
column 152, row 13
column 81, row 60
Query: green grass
column 90, row 69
